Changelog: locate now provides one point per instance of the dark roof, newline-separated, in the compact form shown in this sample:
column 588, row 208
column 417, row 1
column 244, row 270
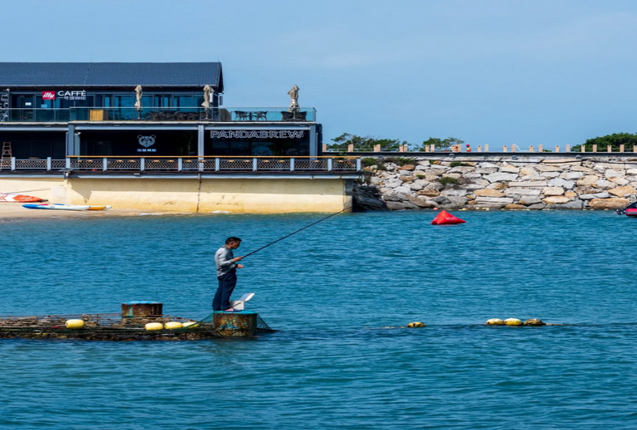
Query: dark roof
column 87, row 75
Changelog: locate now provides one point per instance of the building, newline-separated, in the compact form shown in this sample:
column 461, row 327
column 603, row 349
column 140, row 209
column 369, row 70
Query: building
column 157, row 136
column 127, row 109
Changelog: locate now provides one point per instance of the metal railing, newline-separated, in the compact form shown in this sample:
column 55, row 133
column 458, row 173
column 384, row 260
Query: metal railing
column 187, row 164
column 157, row 114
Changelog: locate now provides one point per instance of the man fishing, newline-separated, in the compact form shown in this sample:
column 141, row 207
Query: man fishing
column 226, row 274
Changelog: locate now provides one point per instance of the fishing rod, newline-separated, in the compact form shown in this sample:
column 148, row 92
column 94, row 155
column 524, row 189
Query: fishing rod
column 297, row 231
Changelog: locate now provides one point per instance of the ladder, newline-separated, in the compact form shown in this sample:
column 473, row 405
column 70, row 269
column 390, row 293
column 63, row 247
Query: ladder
column 6, row 153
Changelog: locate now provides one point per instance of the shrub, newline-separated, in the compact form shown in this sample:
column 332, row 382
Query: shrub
column 420, row 176
column 369, row 161
column 457, row 163
column 448, row 180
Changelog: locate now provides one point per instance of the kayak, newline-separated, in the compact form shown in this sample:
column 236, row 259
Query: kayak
column 63, row 207
column 9, row 197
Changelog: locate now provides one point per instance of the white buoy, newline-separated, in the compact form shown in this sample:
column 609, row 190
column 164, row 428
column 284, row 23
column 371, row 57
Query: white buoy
column 495, row 321
column 190, row 324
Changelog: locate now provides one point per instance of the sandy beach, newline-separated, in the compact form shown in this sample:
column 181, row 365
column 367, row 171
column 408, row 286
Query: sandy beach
column 15, row 211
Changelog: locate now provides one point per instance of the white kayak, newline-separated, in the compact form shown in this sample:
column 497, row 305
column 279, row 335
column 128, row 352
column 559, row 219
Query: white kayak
column 64, row 207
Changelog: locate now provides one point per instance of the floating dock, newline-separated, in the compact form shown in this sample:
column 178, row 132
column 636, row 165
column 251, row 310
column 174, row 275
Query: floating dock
column 137, row 321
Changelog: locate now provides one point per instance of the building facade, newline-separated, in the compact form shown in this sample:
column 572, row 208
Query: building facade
column 57, row 110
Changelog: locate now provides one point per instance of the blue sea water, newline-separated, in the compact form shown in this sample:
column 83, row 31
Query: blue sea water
column 338, row 292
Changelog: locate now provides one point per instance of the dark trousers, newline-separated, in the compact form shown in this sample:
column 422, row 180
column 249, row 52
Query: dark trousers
column 227, row 282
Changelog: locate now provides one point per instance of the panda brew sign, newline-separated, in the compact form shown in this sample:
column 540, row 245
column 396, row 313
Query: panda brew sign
column 257, row 134
column 146, row 142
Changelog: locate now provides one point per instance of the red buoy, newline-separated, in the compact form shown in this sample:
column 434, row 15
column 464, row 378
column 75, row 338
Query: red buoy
column 445, row 218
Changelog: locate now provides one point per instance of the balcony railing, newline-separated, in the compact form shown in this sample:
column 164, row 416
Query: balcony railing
column 283, row 165
column 171, row 114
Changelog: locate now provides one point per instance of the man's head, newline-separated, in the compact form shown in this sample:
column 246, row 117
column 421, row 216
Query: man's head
column 233, row 242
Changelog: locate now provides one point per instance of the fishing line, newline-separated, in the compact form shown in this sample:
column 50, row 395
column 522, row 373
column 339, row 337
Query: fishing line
column 297, row 231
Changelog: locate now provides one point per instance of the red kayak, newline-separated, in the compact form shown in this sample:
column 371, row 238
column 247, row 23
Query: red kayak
column 22, row 198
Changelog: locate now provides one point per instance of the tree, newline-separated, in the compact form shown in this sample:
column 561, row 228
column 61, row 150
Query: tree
column 440, row 144
column 612, row 140
column 364, row 143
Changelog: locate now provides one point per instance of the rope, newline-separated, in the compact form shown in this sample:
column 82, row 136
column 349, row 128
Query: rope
column 295, row 232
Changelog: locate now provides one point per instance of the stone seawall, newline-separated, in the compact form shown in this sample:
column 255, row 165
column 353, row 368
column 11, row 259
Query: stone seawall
column 516, row 182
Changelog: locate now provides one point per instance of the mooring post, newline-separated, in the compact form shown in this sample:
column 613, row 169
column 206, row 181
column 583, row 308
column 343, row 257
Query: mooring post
column 242, row 323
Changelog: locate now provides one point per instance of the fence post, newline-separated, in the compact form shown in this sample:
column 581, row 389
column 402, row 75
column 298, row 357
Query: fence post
column 142, row 164
column 594, row 148
column 325, row 147
column 255, row 164
column 359, row 165
column 68, row 163
column 180, row 164
column 48, row 163
column 376, row 148
column 621, row 148
column 504, row 148
column 104, row 164
column 12, row 163
column 479, row 148
column 609, row 149
column 635, row 148
column 350, row 147
column 531, row 148
column 486, row 148
column 568, row 148
column 540, row 148
column 432, row 148
column 292, row 164
column 557, row 148
column 513, row 147
column 583, row 148
column 329, row 164
column 217, row 164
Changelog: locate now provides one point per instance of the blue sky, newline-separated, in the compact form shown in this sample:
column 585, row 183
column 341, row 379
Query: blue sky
column 495, row 72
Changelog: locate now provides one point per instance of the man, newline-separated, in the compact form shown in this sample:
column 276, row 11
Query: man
column 226, row 274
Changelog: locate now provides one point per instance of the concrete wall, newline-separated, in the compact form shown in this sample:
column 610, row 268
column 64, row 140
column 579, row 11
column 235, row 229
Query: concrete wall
column 191, row 195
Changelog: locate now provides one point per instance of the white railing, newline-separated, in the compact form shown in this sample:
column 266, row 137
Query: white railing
column 186, row 164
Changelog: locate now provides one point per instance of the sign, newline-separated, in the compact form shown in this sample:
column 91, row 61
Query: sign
column 257, row 134
column 66, row 95
column 146, row 142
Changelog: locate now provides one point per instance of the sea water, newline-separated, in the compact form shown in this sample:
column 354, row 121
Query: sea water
column 340, row 294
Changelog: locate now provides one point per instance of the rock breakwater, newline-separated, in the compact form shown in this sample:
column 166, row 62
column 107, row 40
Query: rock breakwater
column 516, row 182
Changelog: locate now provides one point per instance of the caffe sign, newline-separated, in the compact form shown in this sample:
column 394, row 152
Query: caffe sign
column 257, row 134
column 65, row 95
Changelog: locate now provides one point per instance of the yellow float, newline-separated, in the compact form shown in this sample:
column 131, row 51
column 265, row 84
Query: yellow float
column 74, row 324
column 415, row 324
column 495, row 321
column 154, row 326
column 190, row 324
column 512, row 321
column 173, row 325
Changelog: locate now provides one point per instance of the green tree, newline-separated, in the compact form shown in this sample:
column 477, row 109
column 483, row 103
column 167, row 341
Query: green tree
column 440, row 144
column 614, row 140
column 364, row 143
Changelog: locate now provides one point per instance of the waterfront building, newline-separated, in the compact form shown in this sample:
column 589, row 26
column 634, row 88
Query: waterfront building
column 158, row 136
column 127, row 109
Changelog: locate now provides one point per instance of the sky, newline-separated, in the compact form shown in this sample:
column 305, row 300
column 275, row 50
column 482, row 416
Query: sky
column 496, row 72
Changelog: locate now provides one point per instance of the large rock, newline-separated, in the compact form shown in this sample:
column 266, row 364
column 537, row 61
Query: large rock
column 415, row 187
column 587, row 180
column 396, row 206
column 486, row 170
column 514, row 207
column 428, row 193
column 458, row 192
column 604, row 184
column 620, row 180
column 528, row 171
column 509, row 169
column 612, row 173
column 570, row 176
column 522, row 191
column 545, row 168
column 408, row 167
column 556, row 200
column 553, row 191
column 422, row 202
column 558, row 182
column 487, row 192
column 622, row 191
column 574, row 204
column 550, row 175
column 614, row 203
column 529, row 200
column 501, row 177
column 494, row 200
column 393, row 183
column 535, row 184
column 403, row 189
